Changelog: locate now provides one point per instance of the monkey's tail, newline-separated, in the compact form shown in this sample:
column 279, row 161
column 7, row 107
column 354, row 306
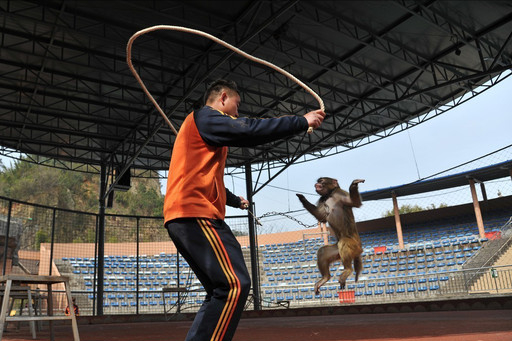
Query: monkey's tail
column 358, row 266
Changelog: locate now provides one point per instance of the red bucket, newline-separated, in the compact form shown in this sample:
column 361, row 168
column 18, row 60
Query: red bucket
column 493, row 235
column 347, row 296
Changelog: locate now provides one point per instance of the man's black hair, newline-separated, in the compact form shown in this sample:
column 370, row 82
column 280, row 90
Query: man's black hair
column 215, row 88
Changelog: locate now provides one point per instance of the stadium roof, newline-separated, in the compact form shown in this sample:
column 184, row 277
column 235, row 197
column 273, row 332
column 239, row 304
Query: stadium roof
column 380, row 67
column 496, row 171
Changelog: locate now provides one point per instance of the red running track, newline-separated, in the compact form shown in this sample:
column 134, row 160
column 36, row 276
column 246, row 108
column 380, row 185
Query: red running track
column 480, row 325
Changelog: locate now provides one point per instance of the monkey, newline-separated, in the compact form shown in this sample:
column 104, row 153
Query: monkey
column 335, row 207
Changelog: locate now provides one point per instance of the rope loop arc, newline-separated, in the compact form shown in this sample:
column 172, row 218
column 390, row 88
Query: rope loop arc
column 218, row 41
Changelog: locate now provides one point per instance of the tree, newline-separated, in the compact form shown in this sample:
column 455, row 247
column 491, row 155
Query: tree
column 78, row 191
column 238, row 233
column 41, row 237
column 404, row 209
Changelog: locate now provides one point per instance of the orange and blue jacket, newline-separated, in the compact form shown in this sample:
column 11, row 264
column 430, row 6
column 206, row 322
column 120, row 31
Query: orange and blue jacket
column 195, row 184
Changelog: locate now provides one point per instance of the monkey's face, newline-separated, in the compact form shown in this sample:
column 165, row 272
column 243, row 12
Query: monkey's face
column 324, row 186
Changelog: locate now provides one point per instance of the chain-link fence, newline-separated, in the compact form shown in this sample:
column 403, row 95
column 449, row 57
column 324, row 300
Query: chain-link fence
column 140, row 261
column 486, row 192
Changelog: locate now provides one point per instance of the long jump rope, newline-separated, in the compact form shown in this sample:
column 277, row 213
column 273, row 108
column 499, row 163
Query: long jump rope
column 220, row 42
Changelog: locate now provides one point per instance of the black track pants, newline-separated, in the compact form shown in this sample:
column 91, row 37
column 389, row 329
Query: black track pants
column 215, row 256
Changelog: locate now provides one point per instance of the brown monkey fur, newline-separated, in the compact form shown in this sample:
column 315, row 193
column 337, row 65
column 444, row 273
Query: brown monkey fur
column 335, row 207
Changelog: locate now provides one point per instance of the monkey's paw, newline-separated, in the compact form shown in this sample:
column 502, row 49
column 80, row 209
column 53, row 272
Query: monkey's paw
column 301, row 197
column 357, row 181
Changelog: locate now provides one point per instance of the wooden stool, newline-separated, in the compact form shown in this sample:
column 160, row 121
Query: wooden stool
column 32, row 279
column 177, row 290
column 21, row 293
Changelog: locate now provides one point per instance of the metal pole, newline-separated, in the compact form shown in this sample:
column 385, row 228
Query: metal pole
column 94, row 286
column 252, row 241
column 137, row 282
column 101, row 238
column 178, row 285
column 6, row 246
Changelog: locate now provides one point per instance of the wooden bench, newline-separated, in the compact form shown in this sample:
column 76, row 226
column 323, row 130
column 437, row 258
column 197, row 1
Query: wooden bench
column 21, row 280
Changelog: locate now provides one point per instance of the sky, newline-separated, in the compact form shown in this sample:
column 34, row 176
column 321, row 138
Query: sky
column 477, row 127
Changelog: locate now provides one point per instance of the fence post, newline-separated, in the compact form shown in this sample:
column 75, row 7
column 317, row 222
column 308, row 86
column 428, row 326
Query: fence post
column 137, row 282
column 94, row 286
column 101, row 238
column 252, row 241
column 6, row 246
column 52, row 240
column 178, row 281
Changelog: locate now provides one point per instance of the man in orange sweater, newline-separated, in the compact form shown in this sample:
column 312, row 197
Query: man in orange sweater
column 196, row 199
